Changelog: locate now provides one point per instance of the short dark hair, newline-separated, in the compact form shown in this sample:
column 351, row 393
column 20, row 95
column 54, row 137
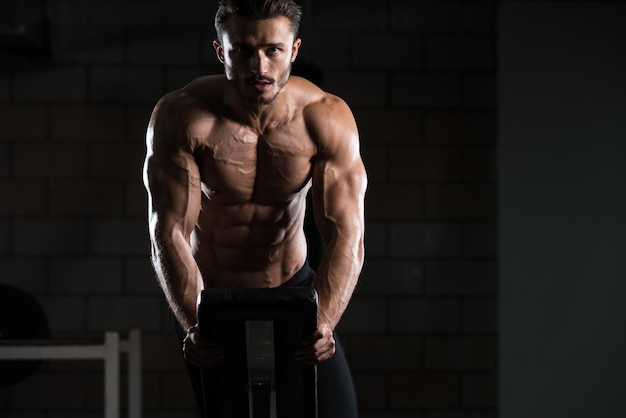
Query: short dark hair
column 256, row 10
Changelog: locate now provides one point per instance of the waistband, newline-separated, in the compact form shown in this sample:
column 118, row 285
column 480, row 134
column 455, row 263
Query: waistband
column 303, row 277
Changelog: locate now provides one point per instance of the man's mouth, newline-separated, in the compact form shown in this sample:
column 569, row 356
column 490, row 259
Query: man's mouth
column 260, row 84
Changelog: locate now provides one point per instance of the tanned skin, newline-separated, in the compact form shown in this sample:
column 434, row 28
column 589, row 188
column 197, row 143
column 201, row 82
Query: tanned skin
column 230, row 159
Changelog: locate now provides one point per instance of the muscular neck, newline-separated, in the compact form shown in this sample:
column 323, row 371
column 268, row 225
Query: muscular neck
column 258, row 116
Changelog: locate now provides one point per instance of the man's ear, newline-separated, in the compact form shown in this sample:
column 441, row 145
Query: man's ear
column 295, row 49
column 219, row 50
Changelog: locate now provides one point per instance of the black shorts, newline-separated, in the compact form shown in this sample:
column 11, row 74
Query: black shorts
column 336, row 396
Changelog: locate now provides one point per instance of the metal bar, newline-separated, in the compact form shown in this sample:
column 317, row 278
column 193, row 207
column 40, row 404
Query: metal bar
column 57, row 352
column 111, row 375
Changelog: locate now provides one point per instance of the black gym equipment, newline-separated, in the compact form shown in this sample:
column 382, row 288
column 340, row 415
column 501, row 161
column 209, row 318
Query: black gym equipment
column 259, row 329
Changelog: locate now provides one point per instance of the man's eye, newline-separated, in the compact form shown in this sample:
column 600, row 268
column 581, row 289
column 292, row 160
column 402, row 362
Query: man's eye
column 273, row 51
column 243, row 51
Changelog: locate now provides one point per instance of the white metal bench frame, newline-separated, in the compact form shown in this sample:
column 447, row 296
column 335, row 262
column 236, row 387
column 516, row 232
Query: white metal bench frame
column 109, row 351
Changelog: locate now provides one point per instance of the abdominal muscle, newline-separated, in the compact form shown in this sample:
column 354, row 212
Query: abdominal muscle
column 250, row 245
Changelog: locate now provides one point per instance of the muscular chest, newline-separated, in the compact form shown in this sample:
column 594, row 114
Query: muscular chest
column 239, row 164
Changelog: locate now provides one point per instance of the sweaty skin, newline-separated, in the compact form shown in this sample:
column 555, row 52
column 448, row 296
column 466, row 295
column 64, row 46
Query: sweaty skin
column 230, row 159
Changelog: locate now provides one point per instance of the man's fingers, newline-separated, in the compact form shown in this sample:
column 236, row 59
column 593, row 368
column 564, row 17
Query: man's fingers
column 313, row 338
column 316, row 348
column 202, row 357
column 200, row 341
column 200, row 351
column 315, row 357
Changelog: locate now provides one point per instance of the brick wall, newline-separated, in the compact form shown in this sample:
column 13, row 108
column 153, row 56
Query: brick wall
column 420, row 77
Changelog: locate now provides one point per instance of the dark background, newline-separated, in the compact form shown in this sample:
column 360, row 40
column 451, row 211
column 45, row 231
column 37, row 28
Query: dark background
column 562, row 209
column 490, row 175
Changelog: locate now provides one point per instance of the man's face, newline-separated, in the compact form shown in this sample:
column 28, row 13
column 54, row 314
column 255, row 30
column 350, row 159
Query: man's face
column 257, row 56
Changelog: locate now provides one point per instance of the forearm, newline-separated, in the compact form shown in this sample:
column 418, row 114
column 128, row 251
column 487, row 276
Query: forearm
column 337, row 276
column 178, row 276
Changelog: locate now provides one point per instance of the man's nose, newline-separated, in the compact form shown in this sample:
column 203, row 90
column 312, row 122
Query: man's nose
column 259, row 63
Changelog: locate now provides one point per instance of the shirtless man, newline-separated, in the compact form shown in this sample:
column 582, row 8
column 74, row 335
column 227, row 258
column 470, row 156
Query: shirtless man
column 230, row 160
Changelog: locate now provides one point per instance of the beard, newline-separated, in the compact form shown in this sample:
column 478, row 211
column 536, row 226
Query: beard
column 243, row 85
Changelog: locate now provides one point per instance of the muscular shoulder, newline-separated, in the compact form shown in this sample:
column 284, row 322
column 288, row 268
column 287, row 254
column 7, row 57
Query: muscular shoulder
column 183, row 117
column 208, row 89
column 329, row 119
column 200, row 96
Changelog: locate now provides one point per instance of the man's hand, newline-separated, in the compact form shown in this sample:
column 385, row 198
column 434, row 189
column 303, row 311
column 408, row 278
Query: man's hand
column 318, row 347
column 200, row 351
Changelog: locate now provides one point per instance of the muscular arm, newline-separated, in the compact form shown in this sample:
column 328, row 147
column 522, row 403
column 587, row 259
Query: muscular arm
column 173, row 183
column 339, row 183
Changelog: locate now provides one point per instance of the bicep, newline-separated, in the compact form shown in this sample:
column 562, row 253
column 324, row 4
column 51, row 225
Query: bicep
column 172, row 180
column 339, row 184
column 338, row 197
column 174, row 192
